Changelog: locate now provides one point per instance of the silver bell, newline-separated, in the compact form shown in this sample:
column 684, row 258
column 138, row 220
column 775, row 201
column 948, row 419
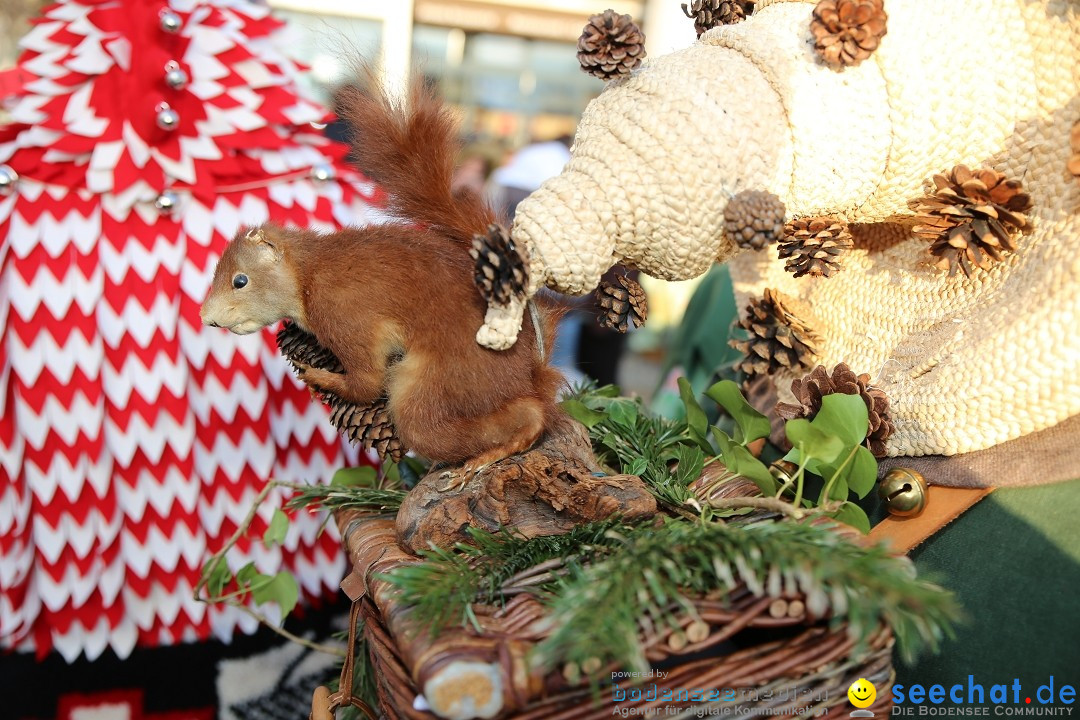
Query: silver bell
column 166, row 202
column 8, row 178
column 174, row 76
column 323, row 172
column 167, row 118
column 170, row 21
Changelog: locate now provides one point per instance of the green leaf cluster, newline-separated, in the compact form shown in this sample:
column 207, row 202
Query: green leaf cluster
column 280, row 588
column 829, row 448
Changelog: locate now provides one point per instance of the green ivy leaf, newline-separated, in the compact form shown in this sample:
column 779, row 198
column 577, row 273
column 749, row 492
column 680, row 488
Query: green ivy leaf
column 246, row 574
column 623, row 412
column 812, row 440
column 853, row 515
column 744, row 463
column 749, row 423
column 695, row 416
column 360, row 476
column 724, row 443
column 838, row 490
column 280, row 589
column 217, row 575
column 577, row 410
column 278, row 528
column 843, row 416
column 637, row 467
column 862, row 473
column 691, row 463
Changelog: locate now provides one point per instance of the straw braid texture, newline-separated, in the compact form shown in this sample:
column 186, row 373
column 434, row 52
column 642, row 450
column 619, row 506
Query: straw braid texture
column 968, row 362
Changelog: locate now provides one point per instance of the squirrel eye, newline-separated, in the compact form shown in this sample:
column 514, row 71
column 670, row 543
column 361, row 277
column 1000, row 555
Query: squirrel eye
column 239, row 281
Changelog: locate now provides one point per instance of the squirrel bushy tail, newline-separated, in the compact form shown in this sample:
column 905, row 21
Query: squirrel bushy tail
column 409, row 146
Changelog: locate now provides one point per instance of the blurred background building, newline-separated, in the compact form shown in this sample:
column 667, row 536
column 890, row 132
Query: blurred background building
column 509, row 65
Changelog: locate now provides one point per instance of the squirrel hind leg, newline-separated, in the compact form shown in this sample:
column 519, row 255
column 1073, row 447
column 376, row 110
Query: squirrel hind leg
column 478, row 442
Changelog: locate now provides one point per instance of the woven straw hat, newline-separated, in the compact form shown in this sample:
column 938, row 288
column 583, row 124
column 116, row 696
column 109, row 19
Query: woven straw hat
column 967, row 362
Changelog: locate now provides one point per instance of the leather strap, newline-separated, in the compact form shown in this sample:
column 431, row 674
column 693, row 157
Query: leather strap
column 943, row 505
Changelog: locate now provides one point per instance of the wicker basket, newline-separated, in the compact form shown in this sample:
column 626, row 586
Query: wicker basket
column 763, row 655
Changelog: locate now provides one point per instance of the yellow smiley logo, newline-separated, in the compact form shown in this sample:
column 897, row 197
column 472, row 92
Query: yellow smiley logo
column 862, row 693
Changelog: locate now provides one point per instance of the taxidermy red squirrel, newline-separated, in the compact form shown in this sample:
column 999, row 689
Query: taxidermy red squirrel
column 396, row 303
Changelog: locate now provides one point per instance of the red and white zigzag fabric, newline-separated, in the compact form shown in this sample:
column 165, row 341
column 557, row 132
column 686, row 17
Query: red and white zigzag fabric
column 133, row 439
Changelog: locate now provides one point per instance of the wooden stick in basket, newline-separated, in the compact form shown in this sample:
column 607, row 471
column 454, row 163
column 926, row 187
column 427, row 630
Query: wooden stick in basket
column 462, row 675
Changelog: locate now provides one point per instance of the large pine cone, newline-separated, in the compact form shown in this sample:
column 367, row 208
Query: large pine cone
column 754, row 218
column 708, row 14
column 1074, row 143
column 813, row 246
column 971, row 218
column 810, row 389
column 369, row 425
column 622, row 301
column 301, row 348
column 846, row 32
column 499, row 269
column 610, row 45
column 778, row 337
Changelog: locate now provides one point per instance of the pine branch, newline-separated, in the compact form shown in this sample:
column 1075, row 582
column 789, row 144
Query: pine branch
column 598, row 610
column 342, row 497
column 442, row 589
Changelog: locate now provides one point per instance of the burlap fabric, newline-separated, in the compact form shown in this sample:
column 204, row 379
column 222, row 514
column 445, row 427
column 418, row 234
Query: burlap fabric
column 968, row 363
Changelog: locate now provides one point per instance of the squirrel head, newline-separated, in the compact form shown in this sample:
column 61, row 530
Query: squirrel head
column 254, row 285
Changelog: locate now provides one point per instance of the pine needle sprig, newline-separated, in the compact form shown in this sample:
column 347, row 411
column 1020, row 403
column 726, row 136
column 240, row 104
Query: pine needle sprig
column 626, row 437
column 442, row 589
column 345, row 497
column 599, row 610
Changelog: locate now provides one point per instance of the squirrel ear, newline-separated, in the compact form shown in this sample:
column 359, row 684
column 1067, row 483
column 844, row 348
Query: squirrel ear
column 258, row 237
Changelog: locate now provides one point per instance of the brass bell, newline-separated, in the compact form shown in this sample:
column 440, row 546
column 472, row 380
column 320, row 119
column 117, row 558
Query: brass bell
column 784, row 471
column 903, row 491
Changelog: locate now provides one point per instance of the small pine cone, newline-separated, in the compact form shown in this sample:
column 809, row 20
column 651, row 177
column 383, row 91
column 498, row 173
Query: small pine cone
column 708, row 14
column 846, row 32
column 971, row 218
column 778, row 337
column 1074, row 159
column 813, row 246
column 369, row 425
column 623, row 302
column 810, row 389
column 754, row 218
column 301, row 348
column 499, row 269
column 610, row 45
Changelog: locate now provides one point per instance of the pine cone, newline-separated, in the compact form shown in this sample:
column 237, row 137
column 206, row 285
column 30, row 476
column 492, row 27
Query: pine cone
column 810, row 389
column 500, row 270
column 813, row 246
column 610, row 45
column 971, row 218
column 754, row 219
column 778, row 338
column 708, row 14
column 623, row 302
column 1074, row 159
column 846, row 32
column 369, row 425
column 301, row 348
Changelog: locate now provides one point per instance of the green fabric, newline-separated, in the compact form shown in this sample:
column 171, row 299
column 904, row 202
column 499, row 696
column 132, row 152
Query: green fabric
column 1014, row 562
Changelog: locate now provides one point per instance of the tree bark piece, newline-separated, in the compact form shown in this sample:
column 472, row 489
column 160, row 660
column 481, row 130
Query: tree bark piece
column 545, row 491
